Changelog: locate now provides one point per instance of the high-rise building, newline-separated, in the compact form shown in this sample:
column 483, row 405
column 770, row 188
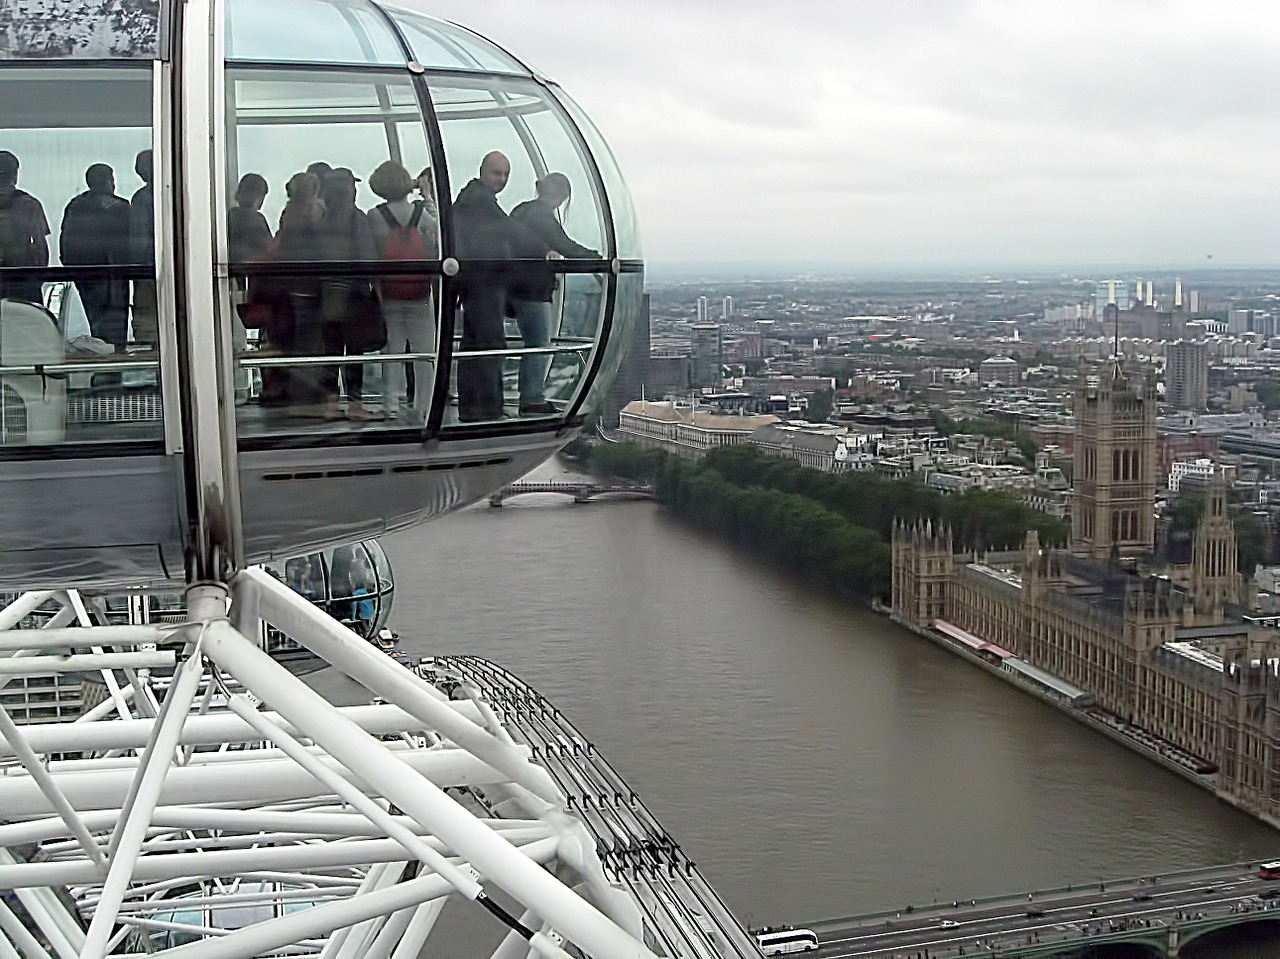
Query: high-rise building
column 1186, row 375
column 703, row 310
column 766, row 330
column 726, row 308
column 707, row 351
column 632, row 380
column 1114, row 464
column 1240, row 321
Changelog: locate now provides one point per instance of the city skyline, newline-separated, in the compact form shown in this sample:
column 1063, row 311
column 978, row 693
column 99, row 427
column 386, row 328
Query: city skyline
column 924, row 135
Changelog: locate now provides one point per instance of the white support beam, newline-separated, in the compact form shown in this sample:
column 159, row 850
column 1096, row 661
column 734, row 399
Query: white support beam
column 21, row 936
column 488, row 853
column 235, row 862
column 100, row 711
column 350, row 940
column 202, row 730
column 129, row 835
column 252, row 941
column 232, row 899
column 391, row 932
column 13, row 640
column 259, row 783
column 514, row 945
column 344, row 650
column 24, row 606
column 86, row 662
column 7, row 950
column 361, row 803
column 31, row 762
column 420, row 926
column 36, row 902
column 344, row 824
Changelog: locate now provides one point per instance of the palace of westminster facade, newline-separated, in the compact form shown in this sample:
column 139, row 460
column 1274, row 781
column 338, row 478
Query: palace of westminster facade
column 1171, row 647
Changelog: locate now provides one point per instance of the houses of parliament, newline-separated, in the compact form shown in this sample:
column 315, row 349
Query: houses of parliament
column 1167, row 645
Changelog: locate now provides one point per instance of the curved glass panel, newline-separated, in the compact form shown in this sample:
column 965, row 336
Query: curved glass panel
column 78, row 359
column 310, row 31
column 526, row 326
column 88, row 29
column 626, row 313
column 620, row 203
column 436, row 43
column 353, row 584
column 343, row 160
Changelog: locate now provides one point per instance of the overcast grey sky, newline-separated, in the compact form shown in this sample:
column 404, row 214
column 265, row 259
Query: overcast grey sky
column 947, row 133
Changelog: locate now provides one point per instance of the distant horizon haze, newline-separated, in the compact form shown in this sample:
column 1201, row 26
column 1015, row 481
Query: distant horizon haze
column 924, row 132
column 723, row 271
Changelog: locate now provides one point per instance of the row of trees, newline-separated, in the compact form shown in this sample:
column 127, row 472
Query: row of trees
column 833, row 528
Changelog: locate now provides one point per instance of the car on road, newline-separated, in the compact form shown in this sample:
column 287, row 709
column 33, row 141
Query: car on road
column 1142, row 897
column 1269, row 894
column 1035, row 913
column 948, row 924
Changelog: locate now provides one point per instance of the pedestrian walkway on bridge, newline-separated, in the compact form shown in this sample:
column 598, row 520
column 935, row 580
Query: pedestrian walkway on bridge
column 1161, row 914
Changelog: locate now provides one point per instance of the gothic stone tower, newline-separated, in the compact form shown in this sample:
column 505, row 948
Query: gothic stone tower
column 1214, row 578
column 1114, row 464
column 922, row 570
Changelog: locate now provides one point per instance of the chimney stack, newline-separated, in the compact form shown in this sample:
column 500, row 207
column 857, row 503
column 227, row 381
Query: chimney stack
column 1151, row 292
column 1177, row 293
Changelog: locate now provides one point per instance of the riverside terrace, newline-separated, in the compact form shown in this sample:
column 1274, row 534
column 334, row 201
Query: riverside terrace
column 1160, row 915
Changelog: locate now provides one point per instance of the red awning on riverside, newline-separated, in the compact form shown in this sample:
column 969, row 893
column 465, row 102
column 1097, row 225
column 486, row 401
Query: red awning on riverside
column 970, row 640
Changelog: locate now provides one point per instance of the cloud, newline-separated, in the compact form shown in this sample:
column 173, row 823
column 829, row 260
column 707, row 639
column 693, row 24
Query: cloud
column 937, row 133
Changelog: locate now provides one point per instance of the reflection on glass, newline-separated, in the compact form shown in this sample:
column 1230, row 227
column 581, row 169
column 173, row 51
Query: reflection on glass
column 626, row 313
column 75, row 192
column 352, row 584
column 512, row 323
column 344, row 162
column 310, row 31
column 620, row 204
column 439, row 44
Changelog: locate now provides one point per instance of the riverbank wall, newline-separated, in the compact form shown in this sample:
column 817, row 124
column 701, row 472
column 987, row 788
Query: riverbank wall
column 1207, row 782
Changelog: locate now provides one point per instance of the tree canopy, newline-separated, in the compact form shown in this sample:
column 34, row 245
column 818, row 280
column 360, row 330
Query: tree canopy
column 832, row 528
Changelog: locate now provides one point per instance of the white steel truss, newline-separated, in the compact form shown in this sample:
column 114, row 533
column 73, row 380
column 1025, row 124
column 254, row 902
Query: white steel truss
column 214, row 806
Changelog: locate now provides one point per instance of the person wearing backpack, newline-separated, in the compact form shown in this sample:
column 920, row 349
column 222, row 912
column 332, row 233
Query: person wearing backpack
column 405, row 230
column 23, row 232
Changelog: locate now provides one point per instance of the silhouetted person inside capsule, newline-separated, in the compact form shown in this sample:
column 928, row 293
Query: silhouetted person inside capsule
column 485, row 232
column 295, row 328
column 345, row 301
column 531, row 296
column 142, row 243
column 95, row 232
column 23, row 235
column 248, row 238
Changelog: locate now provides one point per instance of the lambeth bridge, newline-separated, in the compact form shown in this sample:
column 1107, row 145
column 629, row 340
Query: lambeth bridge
column 1182, row 915
column 582, row 492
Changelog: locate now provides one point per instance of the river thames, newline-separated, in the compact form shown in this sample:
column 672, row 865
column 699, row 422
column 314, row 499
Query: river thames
column 814, row 759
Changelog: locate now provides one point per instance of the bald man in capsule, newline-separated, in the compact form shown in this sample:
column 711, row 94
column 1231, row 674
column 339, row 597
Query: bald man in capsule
column 484, row 231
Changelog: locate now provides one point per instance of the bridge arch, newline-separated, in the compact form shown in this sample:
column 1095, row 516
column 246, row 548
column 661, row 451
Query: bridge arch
column 1261, row 928
column 1120, row 950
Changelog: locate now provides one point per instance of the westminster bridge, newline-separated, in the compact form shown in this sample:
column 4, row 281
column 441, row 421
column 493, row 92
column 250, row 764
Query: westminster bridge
column 1177, row 916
